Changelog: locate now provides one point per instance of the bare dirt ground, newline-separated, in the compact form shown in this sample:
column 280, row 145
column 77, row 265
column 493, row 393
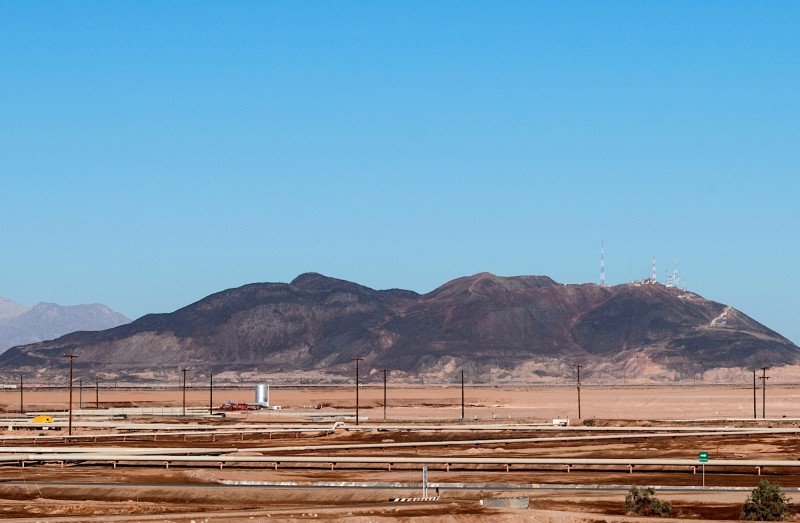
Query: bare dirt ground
column 443, row 403
column 184, row 493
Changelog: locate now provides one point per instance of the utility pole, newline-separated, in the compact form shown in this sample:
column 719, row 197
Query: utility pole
column 21, row 397
column 80, row 393
column 462, row 395
column 71, row 357
column 578, row 367
column 385, row 373
column 358, row 361
column 755, row 414
column 184, row 390
column 96, row 393
column 763, row 379
column 211, row 394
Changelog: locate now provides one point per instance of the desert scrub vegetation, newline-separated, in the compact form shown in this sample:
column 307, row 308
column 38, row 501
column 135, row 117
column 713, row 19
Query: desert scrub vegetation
column 642, row 502
column 767, row 502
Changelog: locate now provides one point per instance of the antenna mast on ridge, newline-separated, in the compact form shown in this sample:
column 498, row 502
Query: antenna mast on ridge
column 602, row 265
column 673, row 280
column 655, row 275
column 675, row 273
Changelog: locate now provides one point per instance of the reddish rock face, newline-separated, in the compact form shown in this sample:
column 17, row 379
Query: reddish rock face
column 487, row 324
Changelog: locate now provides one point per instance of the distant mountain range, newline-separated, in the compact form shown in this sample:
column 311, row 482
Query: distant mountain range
column 524, row 329
column 21, row 325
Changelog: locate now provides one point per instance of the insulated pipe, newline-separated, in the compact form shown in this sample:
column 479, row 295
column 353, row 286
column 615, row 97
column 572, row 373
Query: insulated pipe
column 447, row 461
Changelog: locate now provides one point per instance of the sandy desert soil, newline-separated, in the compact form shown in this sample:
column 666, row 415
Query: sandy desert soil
column 444, row 403
column 97, row 492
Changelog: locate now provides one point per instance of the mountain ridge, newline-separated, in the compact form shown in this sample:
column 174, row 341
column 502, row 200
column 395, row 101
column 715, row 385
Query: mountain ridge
column 46, row 321
column 497, row 328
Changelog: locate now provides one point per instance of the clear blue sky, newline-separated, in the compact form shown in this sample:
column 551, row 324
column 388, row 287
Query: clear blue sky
column 152, row 153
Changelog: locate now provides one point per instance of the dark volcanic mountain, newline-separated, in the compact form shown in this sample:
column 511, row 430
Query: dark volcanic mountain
column 47, row 321
column 496, row 328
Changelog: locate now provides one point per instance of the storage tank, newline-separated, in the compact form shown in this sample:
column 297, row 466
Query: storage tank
column 262, row 394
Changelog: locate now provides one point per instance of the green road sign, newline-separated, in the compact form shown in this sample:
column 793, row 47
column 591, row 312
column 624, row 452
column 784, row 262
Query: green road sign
column 703, row 457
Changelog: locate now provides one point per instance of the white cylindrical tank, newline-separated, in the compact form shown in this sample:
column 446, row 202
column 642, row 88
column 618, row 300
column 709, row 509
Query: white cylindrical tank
column 262, row 394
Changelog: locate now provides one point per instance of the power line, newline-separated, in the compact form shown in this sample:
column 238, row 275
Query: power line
column 385, row 374
column 578, row 367
column 184, row 390
column 462, row 395
column 763, row 379
column 71, row 357
column 358, row 361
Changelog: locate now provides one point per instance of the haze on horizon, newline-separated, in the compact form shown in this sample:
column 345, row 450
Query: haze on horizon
column 152, row 154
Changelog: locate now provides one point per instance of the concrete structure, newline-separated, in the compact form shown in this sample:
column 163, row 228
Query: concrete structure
column 516, row 503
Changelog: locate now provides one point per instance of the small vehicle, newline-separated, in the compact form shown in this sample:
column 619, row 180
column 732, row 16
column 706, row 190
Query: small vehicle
column 44, row 420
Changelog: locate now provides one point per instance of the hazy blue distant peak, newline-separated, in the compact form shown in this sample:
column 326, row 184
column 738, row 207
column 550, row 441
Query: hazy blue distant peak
column 46, row 321
column 11, row 309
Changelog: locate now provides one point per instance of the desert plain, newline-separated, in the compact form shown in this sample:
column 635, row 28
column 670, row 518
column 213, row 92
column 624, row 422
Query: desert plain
column 509, row 421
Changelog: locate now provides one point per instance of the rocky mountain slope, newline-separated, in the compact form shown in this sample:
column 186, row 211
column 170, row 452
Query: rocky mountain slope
column 46, row 321
column 498, row 329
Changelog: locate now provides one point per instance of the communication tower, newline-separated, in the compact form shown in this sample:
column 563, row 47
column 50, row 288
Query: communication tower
column 602, row 265
column 675, row 273
column 673, row 280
